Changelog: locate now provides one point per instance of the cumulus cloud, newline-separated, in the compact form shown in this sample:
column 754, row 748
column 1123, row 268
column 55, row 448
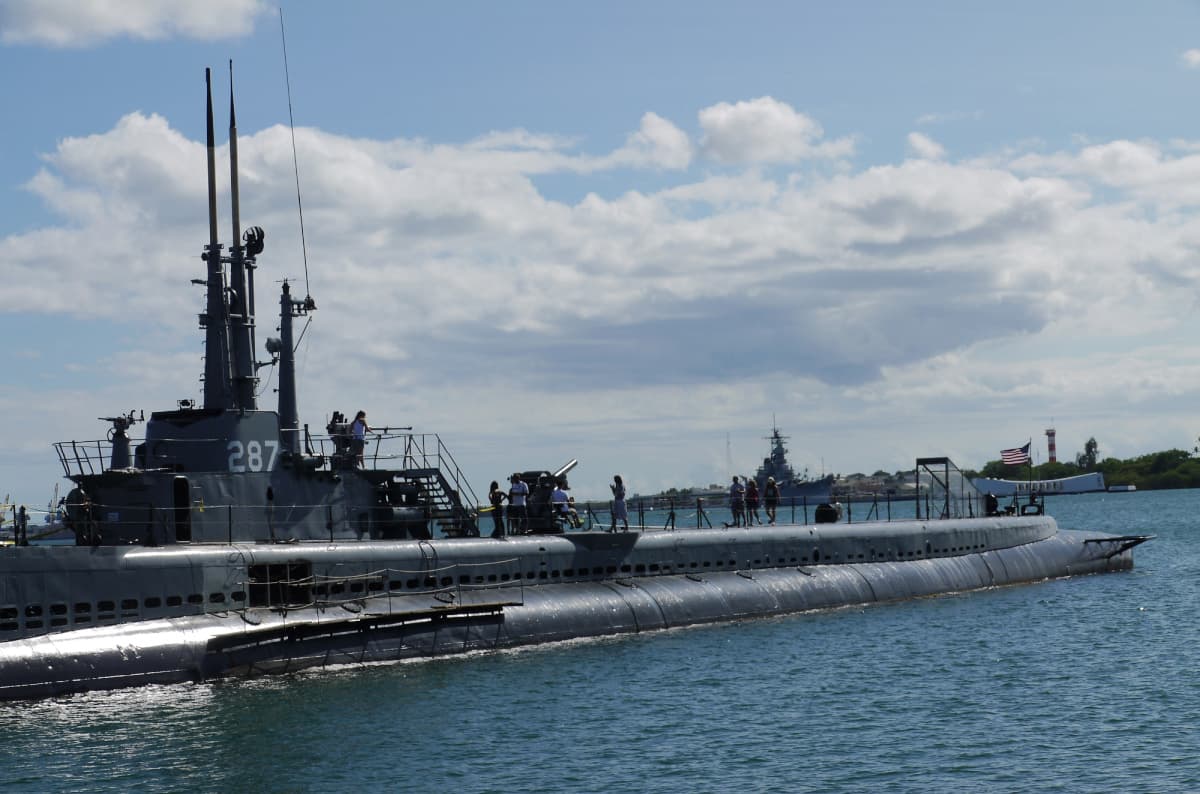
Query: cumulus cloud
column 924, row 147
column 445, row 272
column 839, row 262
column 1144, row 169
column 657, row 143
column 765, row 130
column 82, row 23
column 1191, row 58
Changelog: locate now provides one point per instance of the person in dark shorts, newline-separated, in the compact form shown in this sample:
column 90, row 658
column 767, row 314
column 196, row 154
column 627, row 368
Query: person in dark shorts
column 771, row 499
column 358, row 436
column 497, row 497
column 518, row 513
column 737, row 501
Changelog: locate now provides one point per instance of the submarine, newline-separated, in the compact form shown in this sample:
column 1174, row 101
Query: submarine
column 232, row 540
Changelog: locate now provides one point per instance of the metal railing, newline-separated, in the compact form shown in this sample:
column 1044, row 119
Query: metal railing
column 423, row 452
column 659, row 513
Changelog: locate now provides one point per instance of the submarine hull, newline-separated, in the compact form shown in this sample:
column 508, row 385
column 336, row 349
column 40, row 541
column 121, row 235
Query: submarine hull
column 389, row 627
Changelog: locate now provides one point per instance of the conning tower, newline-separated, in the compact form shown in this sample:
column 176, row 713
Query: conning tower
column 229, row 471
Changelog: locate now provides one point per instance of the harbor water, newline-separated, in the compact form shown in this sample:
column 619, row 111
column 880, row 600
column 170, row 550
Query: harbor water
column 1086, row 684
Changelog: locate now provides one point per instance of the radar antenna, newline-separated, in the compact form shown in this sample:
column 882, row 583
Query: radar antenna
column 295, row 160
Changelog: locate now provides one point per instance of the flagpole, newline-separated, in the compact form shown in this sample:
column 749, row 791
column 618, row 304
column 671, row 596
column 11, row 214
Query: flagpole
column 1029, row 460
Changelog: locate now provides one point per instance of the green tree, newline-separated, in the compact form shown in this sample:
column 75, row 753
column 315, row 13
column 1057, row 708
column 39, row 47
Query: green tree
column 1086, row 460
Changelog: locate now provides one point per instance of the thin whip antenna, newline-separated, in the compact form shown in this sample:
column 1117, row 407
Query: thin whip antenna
column 295, row 159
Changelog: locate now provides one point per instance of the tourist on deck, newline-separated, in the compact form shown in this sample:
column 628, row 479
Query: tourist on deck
column 737, row 502
column 497, row 497
column 991, row 504
column 771, row 499
column 558, row 504
column 752, row 502
column 518, row 515
column 358, row 436
column 619, row 513
column 573, row 514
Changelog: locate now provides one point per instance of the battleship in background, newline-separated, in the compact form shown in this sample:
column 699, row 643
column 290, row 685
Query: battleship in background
column 231, row 540
column 791, row 487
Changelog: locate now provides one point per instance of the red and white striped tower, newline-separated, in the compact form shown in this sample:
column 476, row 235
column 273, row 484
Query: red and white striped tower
column 1050, row 444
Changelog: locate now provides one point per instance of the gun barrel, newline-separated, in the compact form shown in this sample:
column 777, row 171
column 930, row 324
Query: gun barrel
column 566, row 467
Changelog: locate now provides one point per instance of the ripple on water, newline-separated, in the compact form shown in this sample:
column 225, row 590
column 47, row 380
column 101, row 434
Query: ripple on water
column 1086, row 684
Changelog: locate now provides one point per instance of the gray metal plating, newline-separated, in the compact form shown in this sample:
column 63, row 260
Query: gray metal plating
column 441, row 620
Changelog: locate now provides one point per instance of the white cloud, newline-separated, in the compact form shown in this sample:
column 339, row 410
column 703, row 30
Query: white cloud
column 765, row 130
column 748, row 189
column 924, row 147
column 420, row 225
column 82, row 23
column 950, row 116
column 709, row 301
column 657, row 143
column 520, row 139
column 1191, row 58
column 1141, row 168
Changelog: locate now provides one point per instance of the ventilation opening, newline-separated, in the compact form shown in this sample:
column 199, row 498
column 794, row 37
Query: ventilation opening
column 281, row 584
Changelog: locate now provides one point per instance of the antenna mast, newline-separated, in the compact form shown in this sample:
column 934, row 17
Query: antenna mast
column 295, row 160
column 215, row 320
column 241, row 277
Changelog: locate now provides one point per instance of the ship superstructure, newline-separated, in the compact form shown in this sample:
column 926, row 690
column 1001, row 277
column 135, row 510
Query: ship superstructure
column 791, row 485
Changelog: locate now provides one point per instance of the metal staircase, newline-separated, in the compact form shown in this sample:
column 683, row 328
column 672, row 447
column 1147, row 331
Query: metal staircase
column 429, row 465
column 447, row 506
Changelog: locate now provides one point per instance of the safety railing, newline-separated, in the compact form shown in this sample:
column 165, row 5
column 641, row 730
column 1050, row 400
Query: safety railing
column 423, row 454
column 700, row 512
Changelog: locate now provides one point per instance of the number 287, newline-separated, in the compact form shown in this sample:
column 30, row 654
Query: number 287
column 250, row 457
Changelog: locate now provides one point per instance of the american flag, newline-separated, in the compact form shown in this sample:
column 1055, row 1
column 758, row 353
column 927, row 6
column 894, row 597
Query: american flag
column 1012, row 457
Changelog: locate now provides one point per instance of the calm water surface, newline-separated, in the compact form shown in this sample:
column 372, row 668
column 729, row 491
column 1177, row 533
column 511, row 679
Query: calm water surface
column 1087, row 684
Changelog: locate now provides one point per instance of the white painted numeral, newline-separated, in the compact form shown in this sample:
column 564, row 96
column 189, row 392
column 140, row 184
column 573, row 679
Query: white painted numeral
column 273, row 447
column 254, row 456
column 250, row 457
column 235, row 457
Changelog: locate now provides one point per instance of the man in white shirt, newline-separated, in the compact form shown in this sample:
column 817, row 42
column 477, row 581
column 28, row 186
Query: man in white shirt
column 558, row 501
column 518, row 515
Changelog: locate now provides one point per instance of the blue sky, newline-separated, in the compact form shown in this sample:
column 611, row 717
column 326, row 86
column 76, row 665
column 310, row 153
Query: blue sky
column 631, row 233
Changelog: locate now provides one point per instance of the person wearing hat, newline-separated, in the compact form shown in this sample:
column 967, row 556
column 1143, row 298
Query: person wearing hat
column 518, row 492
column 770, row 499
